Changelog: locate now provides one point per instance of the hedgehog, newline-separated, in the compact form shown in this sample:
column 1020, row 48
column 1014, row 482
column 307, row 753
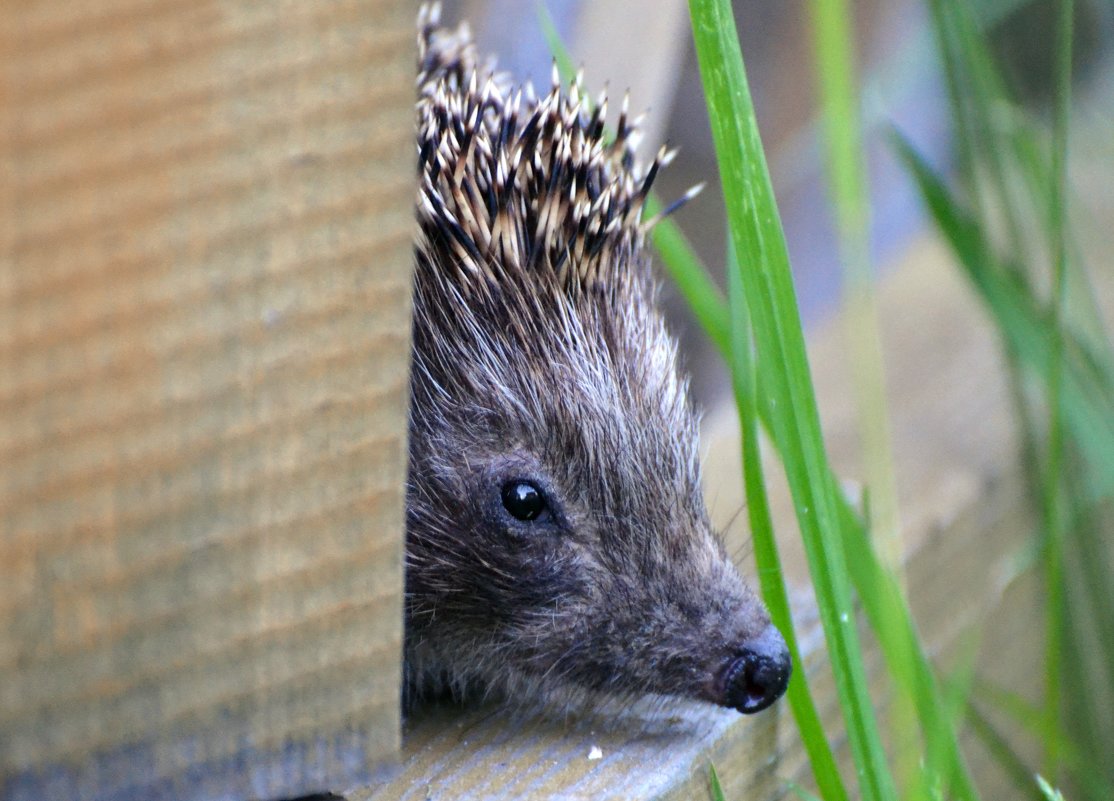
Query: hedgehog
column 557, row 541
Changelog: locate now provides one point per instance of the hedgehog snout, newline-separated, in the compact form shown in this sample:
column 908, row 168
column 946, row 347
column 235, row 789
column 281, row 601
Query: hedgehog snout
column 757, row 674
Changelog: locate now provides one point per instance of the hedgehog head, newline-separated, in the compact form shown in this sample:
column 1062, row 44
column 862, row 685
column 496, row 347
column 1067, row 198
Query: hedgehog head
column 557, row 538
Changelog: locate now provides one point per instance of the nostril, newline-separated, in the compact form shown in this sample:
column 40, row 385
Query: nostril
column 760, row 674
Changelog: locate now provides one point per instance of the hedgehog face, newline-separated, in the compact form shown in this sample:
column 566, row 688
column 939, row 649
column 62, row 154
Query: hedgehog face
column 557, row 536
column 557, row 539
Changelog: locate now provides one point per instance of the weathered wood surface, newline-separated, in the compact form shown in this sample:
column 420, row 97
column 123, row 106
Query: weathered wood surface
column 205, row 227
column 965, row 520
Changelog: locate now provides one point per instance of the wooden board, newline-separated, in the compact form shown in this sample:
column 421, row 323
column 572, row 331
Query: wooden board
column 205, row 248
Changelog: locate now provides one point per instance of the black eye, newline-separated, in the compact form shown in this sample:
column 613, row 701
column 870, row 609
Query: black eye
column 523, row 500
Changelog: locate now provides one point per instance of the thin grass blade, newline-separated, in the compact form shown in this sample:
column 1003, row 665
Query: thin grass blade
column 770, row 576
column 759, row 241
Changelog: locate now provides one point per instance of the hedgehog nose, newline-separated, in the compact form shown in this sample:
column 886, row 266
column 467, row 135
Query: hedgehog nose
column 759, row 675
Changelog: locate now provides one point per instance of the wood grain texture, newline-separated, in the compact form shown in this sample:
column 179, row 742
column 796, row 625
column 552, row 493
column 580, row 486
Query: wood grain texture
column 484, row 755
column 205, row 248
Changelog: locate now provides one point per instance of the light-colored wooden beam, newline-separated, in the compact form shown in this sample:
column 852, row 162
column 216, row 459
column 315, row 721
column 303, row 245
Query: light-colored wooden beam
column 205, row 246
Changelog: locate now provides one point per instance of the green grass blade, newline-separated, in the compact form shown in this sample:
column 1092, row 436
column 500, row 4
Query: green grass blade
column 1087, row 393
column 906, row 650
column 1088, row 718
column 1095, row 603
column 1003, row 752
column 846, row 170
column 801, row 792
column 1033, row 719
column 976, row 93
column 565, row 65
column 714, row 786
column 680, row 259
column 759, row 240
column 1055, row 630
column 831, row 24
column 1047, row 790
column 897, row 656
column 691, row 279
column 889, row 617
column 770, row 576
column 835, row 76
column 903, row 654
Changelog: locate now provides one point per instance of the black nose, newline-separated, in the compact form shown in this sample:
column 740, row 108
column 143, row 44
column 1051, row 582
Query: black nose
column 760, row 674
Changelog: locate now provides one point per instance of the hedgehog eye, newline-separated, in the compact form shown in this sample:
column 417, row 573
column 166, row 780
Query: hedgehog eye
column 523, row 500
